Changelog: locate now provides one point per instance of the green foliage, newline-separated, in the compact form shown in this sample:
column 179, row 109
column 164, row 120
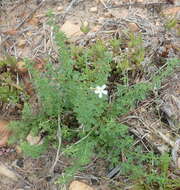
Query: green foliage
column 88, row 122
column 113, row 140
column 171, row 23
column 115, row 43
column 128, row 54
column 8, row 91
column 137, row 52
column 85, row 27
column 159, row 179
column 81, row 153
column 8, row 94
column 32, row 150
column 8, row 61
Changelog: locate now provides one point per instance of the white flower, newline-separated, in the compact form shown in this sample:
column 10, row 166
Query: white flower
column 100, row 90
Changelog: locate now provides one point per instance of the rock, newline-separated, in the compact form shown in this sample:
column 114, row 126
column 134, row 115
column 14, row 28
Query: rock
column 173, row 11
column 133, row 27
column 60, row 8
column 71, row 30
column 4, row 132
column 77, row 185
column 93, row 9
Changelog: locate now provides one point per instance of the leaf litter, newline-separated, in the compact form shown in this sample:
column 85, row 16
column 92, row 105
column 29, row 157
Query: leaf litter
column 24, row 33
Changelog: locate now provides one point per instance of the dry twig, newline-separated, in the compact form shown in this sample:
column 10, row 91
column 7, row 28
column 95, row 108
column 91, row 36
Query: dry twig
column 59, row 134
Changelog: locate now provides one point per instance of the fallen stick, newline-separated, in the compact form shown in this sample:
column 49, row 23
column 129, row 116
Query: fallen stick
column 5, row 171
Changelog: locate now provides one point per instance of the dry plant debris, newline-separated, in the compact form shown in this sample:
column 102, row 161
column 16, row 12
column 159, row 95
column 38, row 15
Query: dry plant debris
column 7, row 172
column 24, row 33
column 4, row 132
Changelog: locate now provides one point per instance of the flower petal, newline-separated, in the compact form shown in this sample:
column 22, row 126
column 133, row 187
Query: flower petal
column 103, row 86
column 96, row 91
column 100, row 95
column 105, row 92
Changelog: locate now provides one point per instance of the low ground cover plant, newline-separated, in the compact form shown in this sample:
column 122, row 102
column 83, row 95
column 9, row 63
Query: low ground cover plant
column 9, row 91
column 80, row 99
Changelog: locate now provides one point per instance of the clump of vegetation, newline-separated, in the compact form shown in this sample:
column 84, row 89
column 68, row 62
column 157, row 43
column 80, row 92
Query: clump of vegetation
column 9, row 91
column 78, row 106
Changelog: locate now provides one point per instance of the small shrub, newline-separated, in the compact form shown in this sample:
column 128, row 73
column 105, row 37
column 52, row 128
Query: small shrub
column 78, row 91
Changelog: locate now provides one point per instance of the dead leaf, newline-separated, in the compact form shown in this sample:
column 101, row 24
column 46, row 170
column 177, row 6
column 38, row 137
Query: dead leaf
column 11, row 32
column 77, row 185
column 133, row 27
column 34, row 21
column 4, row 132
column 40, row 63
column 71, row 30
column 28, row 86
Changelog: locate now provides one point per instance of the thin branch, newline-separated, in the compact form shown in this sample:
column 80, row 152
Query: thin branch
column 59, row 134
column 79, row 141
column 11, row 84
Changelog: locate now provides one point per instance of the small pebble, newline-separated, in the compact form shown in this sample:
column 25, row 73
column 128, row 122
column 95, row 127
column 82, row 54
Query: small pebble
column 93, row 9
column 60, row 8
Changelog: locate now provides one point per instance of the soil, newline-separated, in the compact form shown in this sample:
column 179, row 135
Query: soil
column 24, row 32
